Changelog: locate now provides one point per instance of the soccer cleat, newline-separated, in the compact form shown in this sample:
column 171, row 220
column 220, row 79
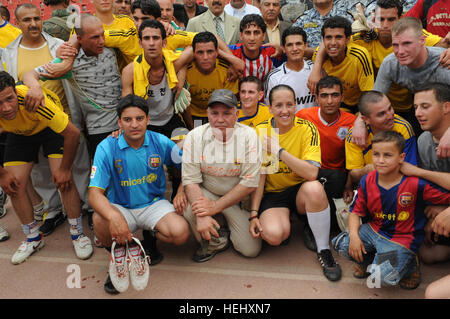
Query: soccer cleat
column 331, row 268
column 3, row 234
column 26, row 249
column 83, row 247
column 118, row 268
column 138, row 263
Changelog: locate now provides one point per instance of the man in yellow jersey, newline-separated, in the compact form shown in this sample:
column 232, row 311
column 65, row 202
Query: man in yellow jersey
column 206, row 74
column 30, row 50
column 378, row 114
column 350, row 63
column 251, row 110
column 50, row 128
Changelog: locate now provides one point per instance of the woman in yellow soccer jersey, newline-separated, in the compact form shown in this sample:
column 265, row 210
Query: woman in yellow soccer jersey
column 288, row 179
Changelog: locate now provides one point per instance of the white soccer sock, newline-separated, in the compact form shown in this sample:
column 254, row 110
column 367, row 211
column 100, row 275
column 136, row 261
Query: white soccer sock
column 320, row 227
column 31, row 230
column 76, row 227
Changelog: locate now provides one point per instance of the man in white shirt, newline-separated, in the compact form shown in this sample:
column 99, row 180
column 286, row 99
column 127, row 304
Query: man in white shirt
column 295, row 71
column 239, row 8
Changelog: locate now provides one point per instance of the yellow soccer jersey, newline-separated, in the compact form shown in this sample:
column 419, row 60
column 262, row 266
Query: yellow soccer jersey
column 124, row 26
column 357, row 157
column 302, row 141
column 262, row 114
column 355, row 72
column 8, row 33
column 201, row 85
column 29, row 123
column 400, row 97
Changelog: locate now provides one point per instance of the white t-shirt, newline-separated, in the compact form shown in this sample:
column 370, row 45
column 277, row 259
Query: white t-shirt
column 240, row 13
column 160, row 107
column 296, row 80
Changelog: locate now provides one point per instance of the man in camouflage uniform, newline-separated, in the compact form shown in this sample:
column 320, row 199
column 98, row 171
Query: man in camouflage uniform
column 57, row 26
column 312, row 20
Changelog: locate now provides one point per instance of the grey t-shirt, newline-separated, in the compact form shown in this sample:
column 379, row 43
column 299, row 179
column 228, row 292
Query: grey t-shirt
column 391, row 71
column 427, row 154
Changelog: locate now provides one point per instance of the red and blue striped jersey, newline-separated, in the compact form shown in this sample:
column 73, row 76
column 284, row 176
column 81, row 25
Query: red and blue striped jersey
column 259, row 67
column 397, row 214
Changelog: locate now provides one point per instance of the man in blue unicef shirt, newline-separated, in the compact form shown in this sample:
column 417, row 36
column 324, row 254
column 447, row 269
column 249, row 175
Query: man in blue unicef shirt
column 128, row 184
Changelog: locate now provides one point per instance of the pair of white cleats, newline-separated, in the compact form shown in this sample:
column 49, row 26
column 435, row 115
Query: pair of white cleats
column 82, row 245
column 129, row 263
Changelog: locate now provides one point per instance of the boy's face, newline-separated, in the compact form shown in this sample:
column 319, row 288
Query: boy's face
column 122, row 7
column 9, row 105
column 294, row 47
column 386, row 157
column 335, row 42
column 249, row 95
column 429, row 111
column 252, row 37
column 103, row 6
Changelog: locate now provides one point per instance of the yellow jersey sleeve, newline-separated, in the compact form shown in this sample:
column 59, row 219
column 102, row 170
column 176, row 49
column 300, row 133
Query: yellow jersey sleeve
column 126, row 41
column 354, row 157
column 431, row 39
column 180, row 39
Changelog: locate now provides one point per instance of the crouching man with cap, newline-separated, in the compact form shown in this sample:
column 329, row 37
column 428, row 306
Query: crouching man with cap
column 221, row 163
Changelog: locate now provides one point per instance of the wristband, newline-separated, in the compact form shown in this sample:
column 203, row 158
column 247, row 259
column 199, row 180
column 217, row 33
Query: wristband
column 253, row 217
column 279, row 152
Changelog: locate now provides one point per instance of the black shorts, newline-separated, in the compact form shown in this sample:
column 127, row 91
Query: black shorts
column 284, row 198
column 167, row 129
column 20, row 149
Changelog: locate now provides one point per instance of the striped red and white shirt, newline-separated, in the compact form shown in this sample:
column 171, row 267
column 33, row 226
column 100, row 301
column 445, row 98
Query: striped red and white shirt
column 259, row 67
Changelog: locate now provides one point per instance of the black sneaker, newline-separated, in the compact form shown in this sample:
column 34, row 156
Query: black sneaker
column 149, row 244
column 50, row 224
column 90, row 221
column 109, row 287
column 331, row 268
column 202, row 254
column 308, row 238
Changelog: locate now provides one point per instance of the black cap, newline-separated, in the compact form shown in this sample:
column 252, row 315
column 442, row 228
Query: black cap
column 223, row 96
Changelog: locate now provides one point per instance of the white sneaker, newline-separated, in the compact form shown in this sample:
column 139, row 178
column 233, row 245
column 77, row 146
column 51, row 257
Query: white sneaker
column 118, row 268
column 138, row 265
column 3, row 234
column 83, row 247
column 26, row 249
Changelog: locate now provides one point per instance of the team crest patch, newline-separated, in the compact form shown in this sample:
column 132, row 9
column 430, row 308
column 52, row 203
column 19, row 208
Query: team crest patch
column 154, row 161
column 405, row 199
column 342, row 132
